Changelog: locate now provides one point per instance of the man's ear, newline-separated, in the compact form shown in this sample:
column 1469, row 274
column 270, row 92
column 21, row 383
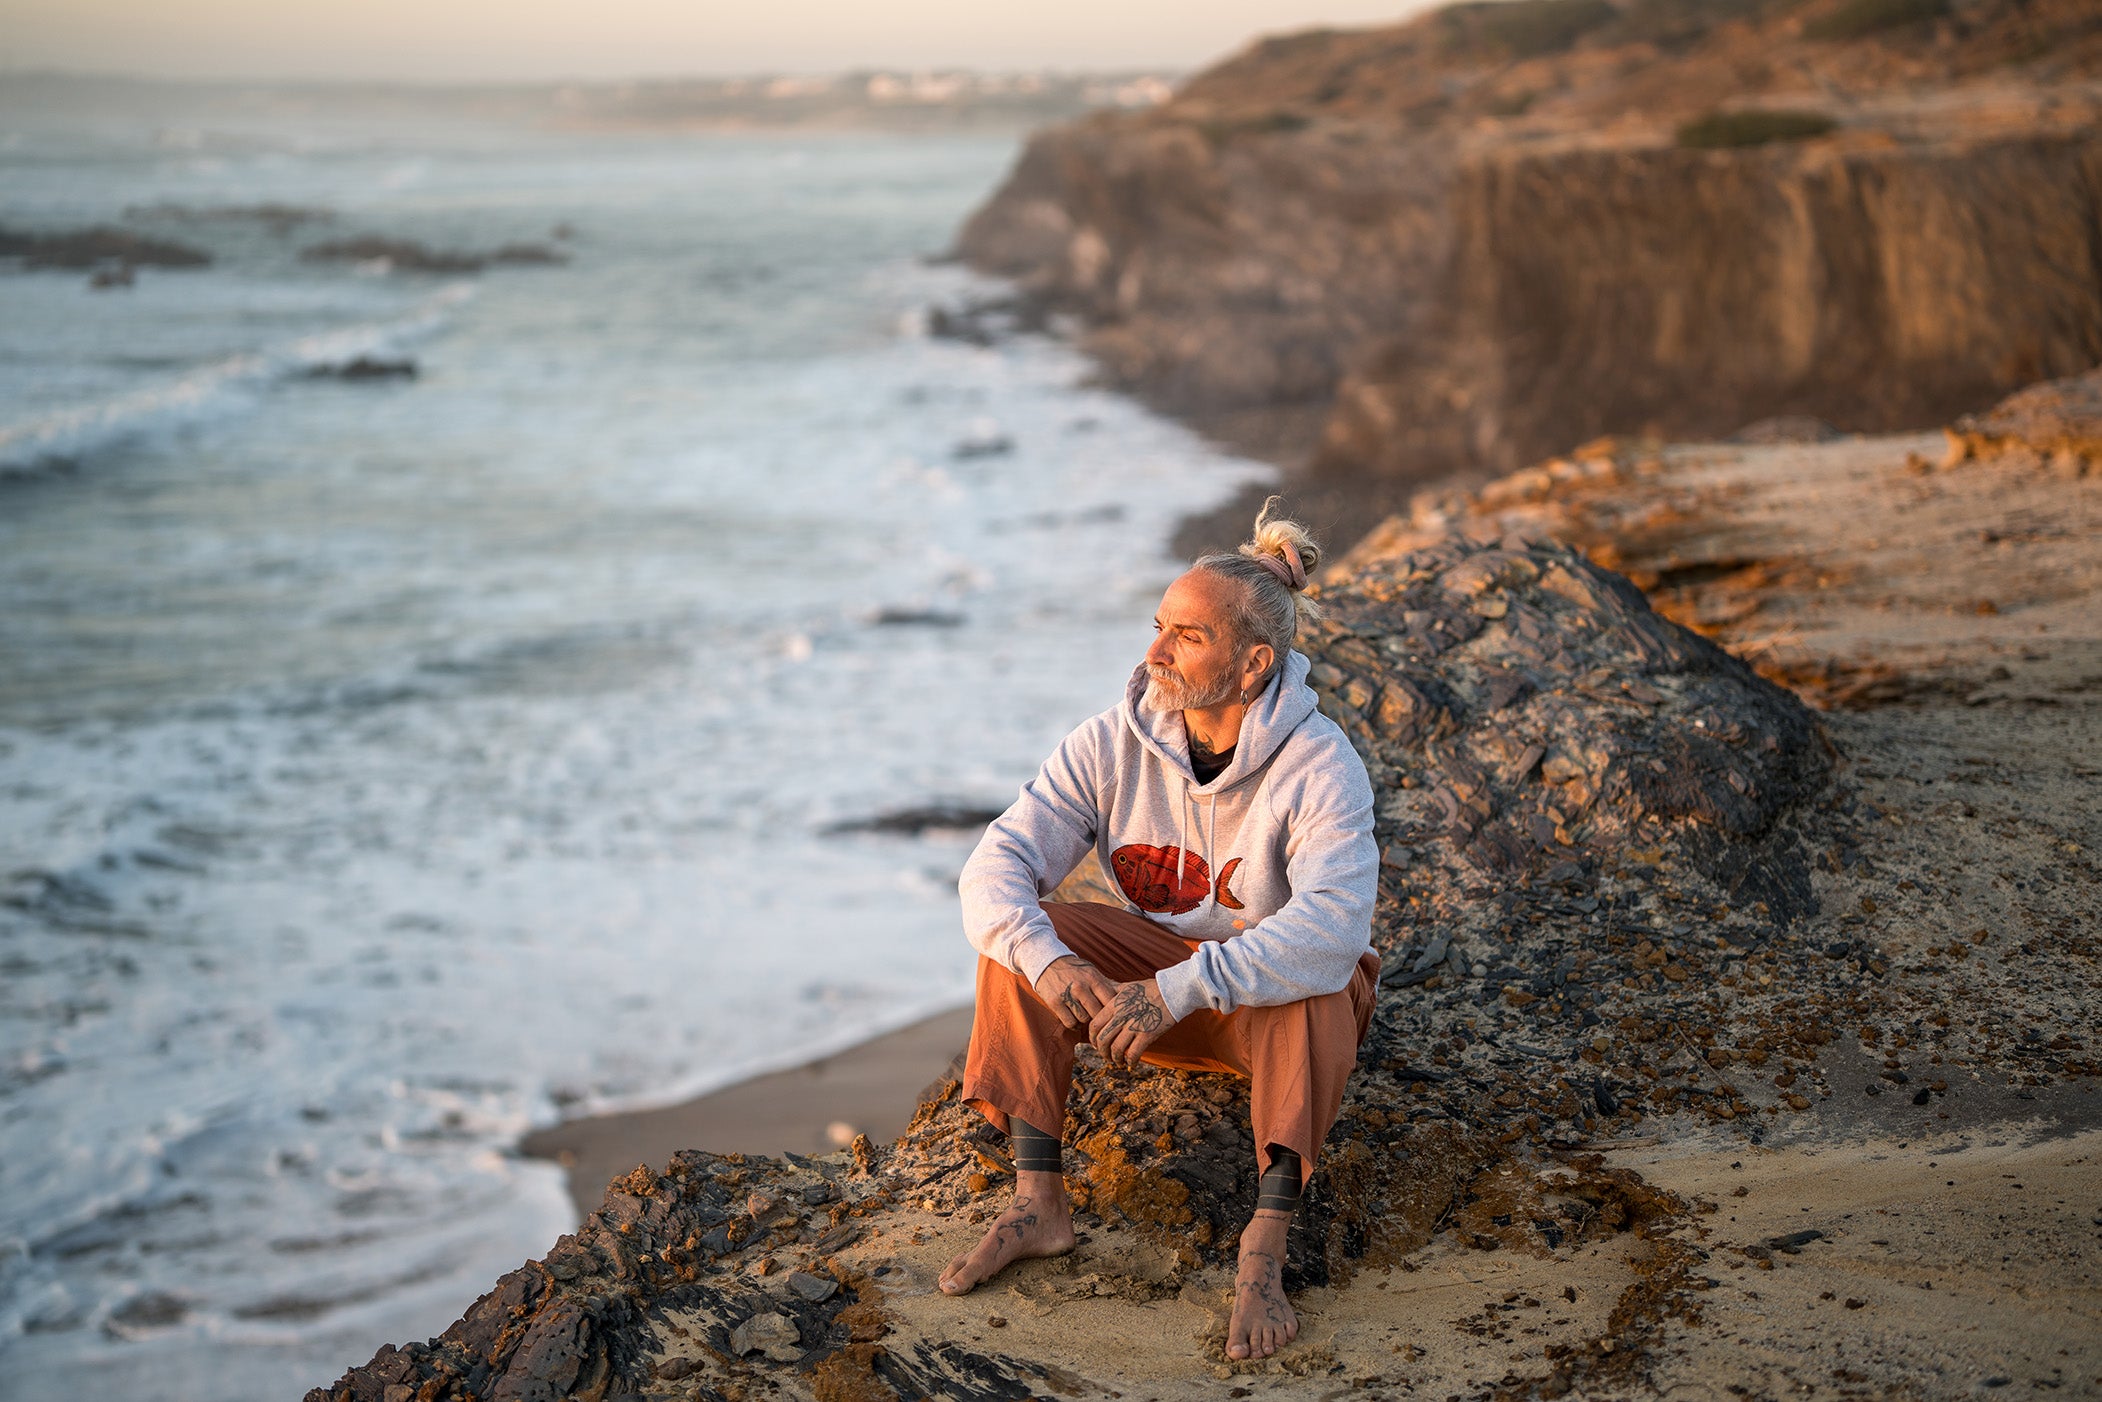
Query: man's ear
column 1257, row 664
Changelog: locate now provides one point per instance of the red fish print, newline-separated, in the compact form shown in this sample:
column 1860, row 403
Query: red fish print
column 1226, row 896
column 1148, row 877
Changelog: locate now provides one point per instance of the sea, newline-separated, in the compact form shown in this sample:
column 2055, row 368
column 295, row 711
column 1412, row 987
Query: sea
column 391, row 765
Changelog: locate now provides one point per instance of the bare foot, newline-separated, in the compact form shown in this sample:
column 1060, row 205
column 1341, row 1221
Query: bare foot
column 1038, row 1223
column 1263, row 1321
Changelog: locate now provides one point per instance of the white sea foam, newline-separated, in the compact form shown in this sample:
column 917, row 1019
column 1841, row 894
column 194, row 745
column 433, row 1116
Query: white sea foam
column 42, row 440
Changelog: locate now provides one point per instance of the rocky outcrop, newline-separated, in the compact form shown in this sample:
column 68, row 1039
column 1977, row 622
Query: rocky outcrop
column 406, row 255
column 1597, row 829
column 1472, row 240
column 1680, row 294
column 97, row 247
column 2059, row 422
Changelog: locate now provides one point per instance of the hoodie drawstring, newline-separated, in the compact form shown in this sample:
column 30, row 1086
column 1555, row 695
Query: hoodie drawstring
column 1182, row 835
column 1211, row 843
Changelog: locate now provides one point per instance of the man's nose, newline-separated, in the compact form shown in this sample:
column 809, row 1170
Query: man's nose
column 1159, row 654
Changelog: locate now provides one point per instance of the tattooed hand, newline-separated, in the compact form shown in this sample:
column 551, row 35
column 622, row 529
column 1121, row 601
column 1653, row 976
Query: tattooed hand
column 1074, row 989
column 1133, row 1018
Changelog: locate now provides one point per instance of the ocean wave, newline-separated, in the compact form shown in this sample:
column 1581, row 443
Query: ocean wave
column 64, row 439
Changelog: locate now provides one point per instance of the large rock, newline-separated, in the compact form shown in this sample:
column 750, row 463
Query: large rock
column 1593, row 822
column 1573, row 792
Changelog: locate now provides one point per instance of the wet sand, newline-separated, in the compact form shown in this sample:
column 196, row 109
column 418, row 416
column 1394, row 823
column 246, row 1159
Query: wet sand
column 871, row 1087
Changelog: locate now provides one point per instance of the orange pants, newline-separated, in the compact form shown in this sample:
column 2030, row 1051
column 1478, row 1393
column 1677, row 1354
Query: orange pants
column 1296, row 1056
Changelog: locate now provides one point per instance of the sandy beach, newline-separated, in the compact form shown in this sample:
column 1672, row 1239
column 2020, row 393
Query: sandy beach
column 868, row 1089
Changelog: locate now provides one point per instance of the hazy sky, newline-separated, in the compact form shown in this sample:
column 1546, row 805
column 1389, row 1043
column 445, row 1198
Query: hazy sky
column 480, row 39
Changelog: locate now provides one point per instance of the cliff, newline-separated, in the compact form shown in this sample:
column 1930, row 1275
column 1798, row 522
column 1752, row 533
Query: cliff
column 1468, row 241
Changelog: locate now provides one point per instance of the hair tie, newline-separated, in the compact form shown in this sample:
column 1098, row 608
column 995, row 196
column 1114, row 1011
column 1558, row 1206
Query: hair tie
column 1288, row 570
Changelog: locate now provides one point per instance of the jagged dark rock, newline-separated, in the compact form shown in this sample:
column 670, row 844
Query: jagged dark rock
column 96, row 247
column 406, row 255
column 1556, row 767
column 365, row 367
column 911, row 822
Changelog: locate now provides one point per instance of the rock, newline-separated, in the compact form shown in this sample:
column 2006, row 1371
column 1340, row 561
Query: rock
column 811, row 1287
column 892, row 616
column 2058, row 422
column 365, row 367
column 406, row 255
column 152, row 1310
column 985, row 440
column 774, row 1334
column 91, row 248
column 911, row 822
column 1551, row 903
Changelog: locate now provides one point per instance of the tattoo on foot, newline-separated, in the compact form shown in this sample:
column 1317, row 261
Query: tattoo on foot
column 1263, row 1319
column 1020, row 1226
column 1024, row 1230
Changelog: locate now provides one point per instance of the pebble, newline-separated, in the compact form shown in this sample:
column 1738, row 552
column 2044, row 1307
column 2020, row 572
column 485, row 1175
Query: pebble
column 775, row 1335
column 814, row 1288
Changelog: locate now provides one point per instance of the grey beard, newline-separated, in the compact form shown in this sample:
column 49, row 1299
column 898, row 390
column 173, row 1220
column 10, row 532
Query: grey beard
column 1168, row 693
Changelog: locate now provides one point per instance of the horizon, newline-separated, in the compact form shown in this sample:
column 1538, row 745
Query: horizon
column 1056, row 72
column 480, row 43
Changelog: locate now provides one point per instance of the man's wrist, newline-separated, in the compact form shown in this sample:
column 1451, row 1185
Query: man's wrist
column 1033, row 956
column 1180, row 992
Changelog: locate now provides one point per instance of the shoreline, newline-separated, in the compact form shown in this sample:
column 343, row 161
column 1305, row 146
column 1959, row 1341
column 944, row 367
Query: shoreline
column 872, row 1086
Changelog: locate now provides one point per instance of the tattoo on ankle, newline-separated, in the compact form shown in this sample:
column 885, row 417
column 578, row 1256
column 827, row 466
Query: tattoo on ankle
column 1015, row 1228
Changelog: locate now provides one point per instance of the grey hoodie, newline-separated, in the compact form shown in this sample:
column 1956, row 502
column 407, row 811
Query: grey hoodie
column 1272, row 863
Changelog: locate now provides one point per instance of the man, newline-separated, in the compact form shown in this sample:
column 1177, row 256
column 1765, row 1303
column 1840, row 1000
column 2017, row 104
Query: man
column 1237, row 822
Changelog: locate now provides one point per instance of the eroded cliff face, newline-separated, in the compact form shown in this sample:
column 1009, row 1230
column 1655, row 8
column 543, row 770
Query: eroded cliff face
column 1222, row 269
column 1682, row 294
column 1474, row 239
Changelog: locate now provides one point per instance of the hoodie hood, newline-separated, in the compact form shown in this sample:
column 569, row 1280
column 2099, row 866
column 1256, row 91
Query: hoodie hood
column 1271, row 718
